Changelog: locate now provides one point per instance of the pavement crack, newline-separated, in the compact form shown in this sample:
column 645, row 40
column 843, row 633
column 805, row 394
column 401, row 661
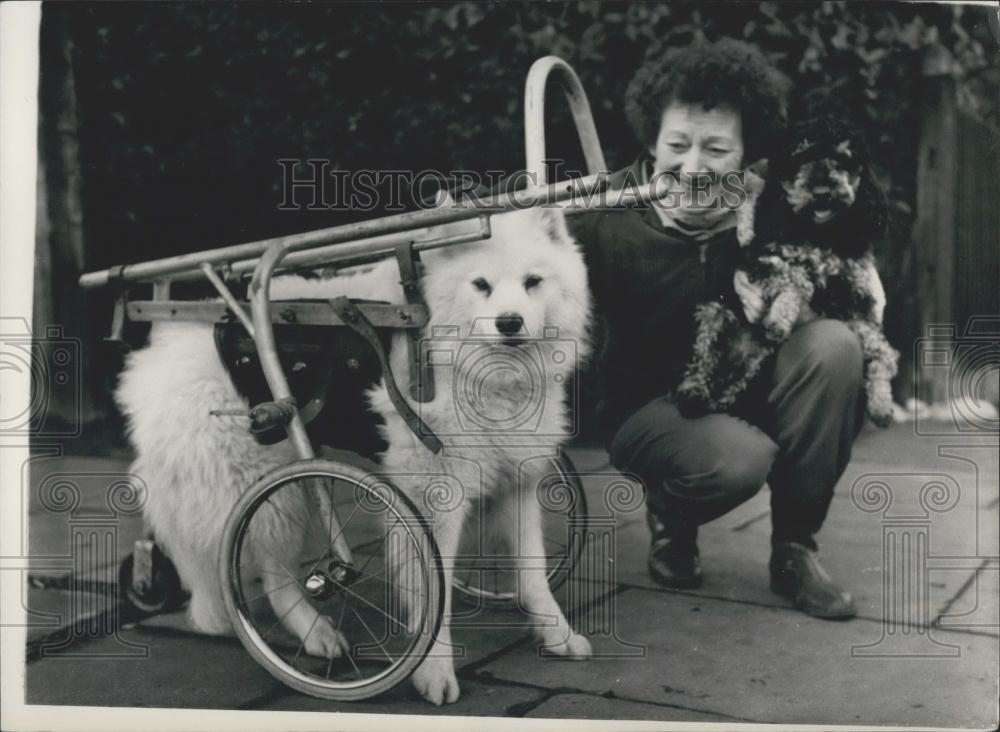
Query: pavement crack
column 522, row 709
column 469, row 670
column 682, row 707
column 80, row 631
column 958, row 593
column 572, row 615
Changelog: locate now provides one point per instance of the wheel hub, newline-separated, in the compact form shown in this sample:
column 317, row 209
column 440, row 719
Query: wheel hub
column 321, row 584
column 342, row 573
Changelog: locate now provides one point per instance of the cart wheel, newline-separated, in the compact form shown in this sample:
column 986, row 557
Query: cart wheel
column 370, row 565
column 151, row 584
column 483, row 573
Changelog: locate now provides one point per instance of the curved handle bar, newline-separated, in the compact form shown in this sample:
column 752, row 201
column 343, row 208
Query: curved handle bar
column 534, row 117
column 380, row 235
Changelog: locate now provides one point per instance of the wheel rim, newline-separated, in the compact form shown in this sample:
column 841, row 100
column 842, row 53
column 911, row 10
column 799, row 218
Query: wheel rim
column 377, row 521
column 488, row 579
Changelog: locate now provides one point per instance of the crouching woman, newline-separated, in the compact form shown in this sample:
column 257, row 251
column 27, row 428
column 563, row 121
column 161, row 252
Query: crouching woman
column 713, row 108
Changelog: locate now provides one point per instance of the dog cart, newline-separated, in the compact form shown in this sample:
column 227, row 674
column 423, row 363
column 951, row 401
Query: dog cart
column 360, row 520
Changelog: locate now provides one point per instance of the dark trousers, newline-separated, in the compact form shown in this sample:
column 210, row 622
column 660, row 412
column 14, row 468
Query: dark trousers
column 796, row 435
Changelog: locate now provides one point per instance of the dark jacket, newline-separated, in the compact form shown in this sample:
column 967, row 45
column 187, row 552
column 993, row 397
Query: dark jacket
column 646, row 281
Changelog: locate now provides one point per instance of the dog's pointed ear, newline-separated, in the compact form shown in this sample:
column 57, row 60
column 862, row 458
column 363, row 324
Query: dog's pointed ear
column 443, row 198
column 554, row 222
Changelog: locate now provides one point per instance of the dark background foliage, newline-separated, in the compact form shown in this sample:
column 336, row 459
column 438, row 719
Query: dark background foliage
column 184, row 108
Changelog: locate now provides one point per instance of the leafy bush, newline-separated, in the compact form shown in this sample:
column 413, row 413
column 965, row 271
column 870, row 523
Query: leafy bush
column 185, row 108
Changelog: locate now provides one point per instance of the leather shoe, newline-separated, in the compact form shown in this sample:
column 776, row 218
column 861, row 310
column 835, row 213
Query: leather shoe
column 673, row 555
column 797, row 574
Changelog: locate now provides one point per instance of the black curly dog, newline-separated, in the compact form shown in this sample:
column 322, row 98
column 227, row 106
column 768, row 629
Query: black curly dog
column 808, row 240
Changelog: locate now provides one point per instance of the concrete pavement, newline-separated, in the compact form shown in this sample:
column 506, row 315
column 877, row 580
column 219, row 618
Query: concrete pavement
column 912, row 532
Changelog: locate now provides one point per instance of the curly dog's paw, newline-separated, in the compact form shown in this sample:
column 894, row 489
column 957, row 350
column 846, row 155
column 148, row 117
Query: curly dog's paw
column 881, row 413
column 880, row 405
column 779, row 322
column 880, row 420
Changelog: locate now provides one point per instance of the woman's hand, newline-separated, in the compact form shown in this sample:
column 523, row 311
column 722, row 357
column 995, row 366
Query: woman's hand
column 750, row 296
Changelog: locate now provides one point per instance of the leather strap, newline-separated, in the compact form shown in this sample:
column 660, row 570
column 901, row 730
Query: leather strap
column 421, row 375
column 355, row 320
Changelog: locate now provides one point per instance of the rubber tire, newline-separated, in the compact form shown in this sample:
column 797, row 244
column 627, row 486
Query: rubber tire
column 558, row 575
column 229, row 576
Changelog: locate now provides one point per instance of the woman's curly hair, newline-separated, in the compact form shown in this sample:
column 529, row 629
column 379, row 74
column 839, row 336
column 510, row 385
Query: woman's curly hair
column 723, row 73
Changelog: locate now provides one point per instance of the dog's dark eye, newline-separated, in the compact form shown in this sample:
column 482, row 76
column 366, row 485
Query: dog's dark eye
column 482, row 285
column 532, row 281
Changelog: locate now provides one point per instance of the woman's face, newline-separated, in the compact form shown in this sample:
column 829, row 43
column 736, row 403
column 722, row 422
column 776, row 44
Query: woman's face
column 696, row 140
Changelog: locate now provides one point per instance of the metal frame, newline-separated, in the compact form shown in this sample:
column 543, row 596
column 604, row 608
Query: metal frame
column 404, row 235
column 408, row 233
column 292, row 312
column 534, row 117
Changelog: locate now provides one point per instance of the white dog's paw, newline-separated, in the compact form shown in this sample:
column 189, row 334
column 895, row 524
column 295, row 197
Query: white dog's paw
column 325, row 641
column 436, row 682
column 207, row 617
column 575, row 647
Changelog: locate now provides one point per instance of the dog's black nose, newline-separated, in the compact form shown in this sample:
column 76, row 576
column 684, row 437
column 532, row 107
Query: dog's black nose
column 509, row 324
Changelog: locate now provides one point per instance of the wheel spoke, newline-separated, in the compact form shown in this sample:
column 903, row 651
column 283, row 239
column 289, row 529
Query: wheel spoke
column 381, row 647
column 389, row 596
column 340, row 624
column 367, row 577
column 374, row 607
column 329, row 546
column 283, row 616
column 372, row 555
column 302, row 643
column 295, row 580
column 286, row 515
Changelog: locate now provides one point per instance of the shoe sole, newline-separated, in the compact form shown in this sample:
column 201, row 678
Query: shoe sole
column 790, row 595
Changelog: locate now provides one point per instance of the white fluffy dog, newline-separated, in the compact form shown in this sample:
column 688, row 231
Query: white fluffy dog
column 505, row 294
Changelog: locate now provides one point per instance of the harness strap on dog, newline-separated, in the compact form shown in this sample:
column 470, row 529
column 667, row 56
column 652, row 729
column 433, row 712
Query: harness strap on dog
column 421, row 375
column 355, row 320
